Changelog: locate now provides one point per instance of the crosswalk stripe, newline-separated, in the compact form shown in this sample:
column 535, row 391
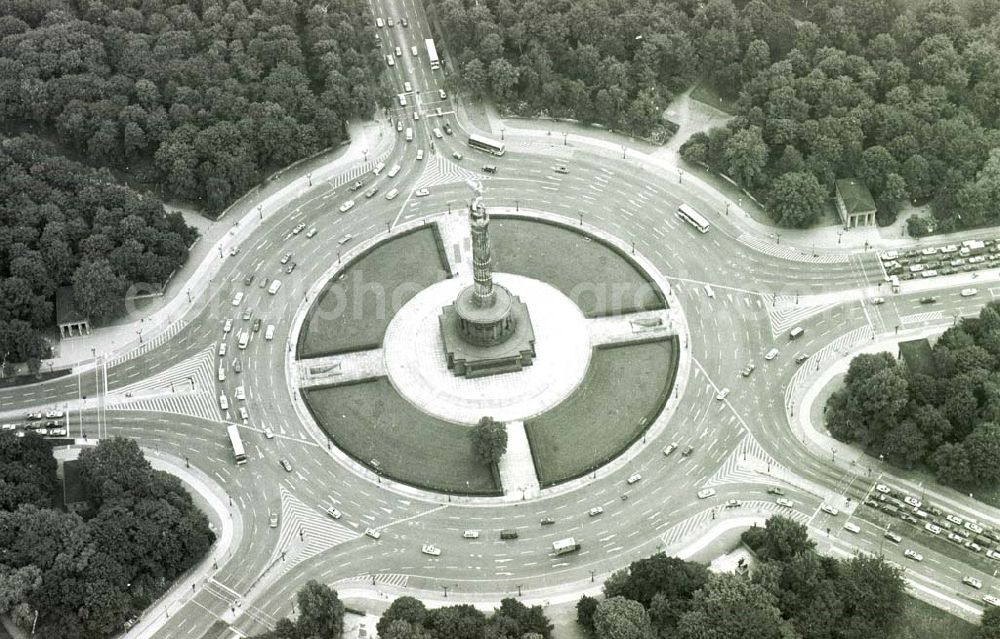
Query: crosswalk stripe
column 786, row 252
column 790, row 314
column 439, row 171
column 199, row 368
column 319, row 531
column 149, row 344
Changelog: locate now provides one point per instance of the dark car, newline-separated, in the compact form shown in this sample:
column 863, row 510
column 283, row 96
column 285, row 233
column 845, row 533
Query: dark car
column 928, row 300
column 447, row 128
column 774, row 490
column 256, row 325
column 548, row 521
column 749, row 368
column 248, row 279
column 237, row 366
column 284, row 464
column 687, row 451
column 357, row 185
column 290, row 268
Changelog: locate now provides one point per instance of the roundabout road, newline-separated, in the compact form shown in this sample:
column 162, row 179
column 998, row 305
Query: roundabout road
column 743, row 444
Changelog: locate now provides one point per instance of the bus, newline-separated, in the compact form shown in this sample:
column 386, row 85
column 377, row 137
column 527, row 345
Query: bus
column 692, row 217
column 432, row 54
column 486, row 144
column 565, row 546
column 234, row 438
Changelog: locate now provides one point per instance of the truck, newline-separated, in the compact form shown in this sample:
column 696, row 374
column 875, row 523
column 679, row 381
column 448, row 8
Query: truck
column 972, row 247
column 565, row 546
column 432, row 54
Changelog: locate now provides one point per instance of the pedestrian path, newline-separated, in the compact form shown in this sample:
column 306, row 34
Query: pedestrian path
column 784, row 251
column 456, row 237
column 355, row 172
column 387, row 579
column 199, row 404
column 920, row 318
column 150, row 344
column 634, row 327
column 196, row 373
column 340, row 369
column 438, row 170
column 306, row 531
column 517, row 468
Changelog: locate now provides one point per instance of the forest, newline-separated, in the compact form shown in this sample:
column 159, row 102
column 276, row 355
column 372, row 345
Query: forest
column 87, row 572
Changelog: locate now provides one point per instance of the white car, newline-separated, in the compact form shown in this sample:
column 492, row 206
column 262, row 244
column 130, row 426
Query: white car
column 430, row 549
column 913, row 554
column 422, row 193
column 671, row 447
column 407, row 87
column 595, row 511
column 471, row 534
column 238, row 298
column 374, row 534
column 991, row 600
column 345, row 239
column 850, row 526
column 391, row 195
column 54, row 414
column 244, row 415
column 709, row 291
column 955, row 519
column 882, row 488
column 268, row 433
column 228, row 326
column 222, row 349
column 974, row 527
column 968, row 292
column 934, row 529
column 333, row 512
column 771, row 354
column 705, row 493
column 877, row 301
column 992, row 554
column 724, row 393
column 891, row 536
column 420, row 154
column 311, row 232
column 347, row 206
column 972, row 581
column 784, row 501
column 830, row 510
column 913, row 501
column 634, row 477
column 241, row 393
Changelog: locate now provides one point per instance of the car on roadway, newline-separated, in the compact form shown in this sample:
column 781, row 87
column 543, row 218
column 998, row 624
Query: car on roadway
column 285, row 258
column 893, row 537
column 248, row 280
column 547, row 521
column 876, row 301
column 407, row 87
column 913, row 554
column 290, row 268
column 971, row 545
column 345, row 239
column 358, row 184
column 733, row 503
column 244, row 415
column 222, row 349
column 784, row 501
column 955, row 537
column 234, row 251
column 299, row 228
column 442, row 94
column 228, row 326
column 974, row 527
column 57, row 432
column 311, row 232
column 671, row 447
column 933, row 529
column 238, row 298
column 272, row 519
column 992, row 554
column 955, row 519
column 991, row 600
column 374, row 534
column 268, row 433
column 391, row 195
column 263, row 282
column 850, row 526
column 687, row 451
column 334, row 513
column 595, row 511
column 968, row 292
column 447, row 128
column 882, row 488
column 430, row 549
column 247, row 314
column 928, row 300
column 801, row 357
column 347, row 206
column 705, row 493
column 560, row 169
column 456, row 155
column 634, row 477
column 404, row 22
column 399, row 126
column 724, row 393
column 256, row 325
column 470, row 534
column 748, row 369
column 285, row 464
column 420, row 154
column 54, row 414
column 830, row 510
column 771, row 354
column 912, row 501
column 909, row 518
column 972, row 581
column 397, row 50
column 6, row 427
column 370, row 193
column 422, row 192
column 241, row 393
column 774, row 490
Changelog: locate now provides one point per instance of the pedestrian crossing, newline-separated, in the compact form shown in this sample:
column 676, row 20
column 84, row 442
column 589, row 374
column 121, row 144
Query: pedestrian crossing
column 837, row 348
column 397, row 580
column 193, row 374
column 438, row 170
column 792, row 253
column 306, row 531
column 696, row 524
column 920, row 318
column 149, row 344
column 785, row 314
column 200, row 404
column 357, row 171
column 745, row 463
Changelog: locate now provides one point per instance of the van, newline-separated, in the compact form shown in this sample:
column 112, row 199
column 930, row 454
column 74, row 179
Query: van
column 409, row 134
column 379, row 168
column 489, row 168
column 273, row 288
column 508, row 533
column 852, row 527
column 379, row 23
column 402, row 100
column 796, row 332
column 437, row 133
column 269, row 333
column 394, row 170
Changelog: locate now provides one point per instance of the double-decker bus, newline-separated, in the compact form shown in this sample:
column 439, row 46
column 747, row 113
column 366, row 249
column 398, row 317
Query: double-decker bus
column 237, row 443
column 486, row 144
column 692, row 217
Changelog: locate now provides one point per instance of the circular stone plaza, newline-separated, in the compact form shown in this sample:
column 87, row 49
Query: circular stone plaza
column 556, row 331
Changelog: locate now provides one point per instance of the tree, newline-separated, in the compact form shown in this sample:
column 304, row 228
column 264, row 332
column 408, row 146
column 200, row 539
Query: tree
column 490, row 440
column 905, row 444
column 872, row 594
column 990, row 624
column 408, row 609
column 98, row 291
column 732, row 607
column 671, row 577
column 585, row 609
column 784, row 539
column 321, row 613
column 982, row 448
column 746, row 156
column 621, row 618
column 502, row 77
column 112, row 468
column 951, row 464
column 795, row 200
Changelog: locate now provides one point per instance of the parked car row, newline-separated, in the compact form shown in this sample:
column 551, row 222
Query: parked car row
column 970, row 255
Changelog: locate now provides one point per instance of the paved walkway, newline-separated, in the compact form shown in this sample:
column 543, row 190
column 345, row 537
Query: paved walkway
column 456, row 237
column 517, row 468
column 142, row 325
column 340, row 369
column 634, row 327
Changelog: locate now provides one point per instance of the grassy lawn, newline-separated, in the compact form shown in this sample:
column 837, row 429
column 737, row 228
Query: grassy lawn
column 599, row 280
column 371, row 421
column 924, row 621
column 707, row 95
column 623, row 389
column 352, row 313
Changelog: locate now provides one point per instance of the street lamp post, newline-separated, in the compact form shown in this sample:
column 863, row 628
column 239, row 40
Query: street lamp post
column 565, row 135
column 260, row 212
column 365, row 152
column 623, row 151
column 445, row 591
column 189, row 295
column 502, row 129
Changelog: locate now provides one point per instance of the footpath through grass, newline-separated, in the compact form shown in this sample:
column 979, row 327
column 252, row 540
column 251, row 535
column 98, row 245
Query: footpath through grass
column 598, row 279
column 352, row 313
column 622, row 392
column 370, row 420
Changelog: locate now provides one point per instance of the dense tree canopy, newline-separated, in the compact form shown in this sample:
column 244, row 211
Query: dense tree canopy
column 944, row 414
column 87, row 573
column 407, row 618
column 197, row 98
